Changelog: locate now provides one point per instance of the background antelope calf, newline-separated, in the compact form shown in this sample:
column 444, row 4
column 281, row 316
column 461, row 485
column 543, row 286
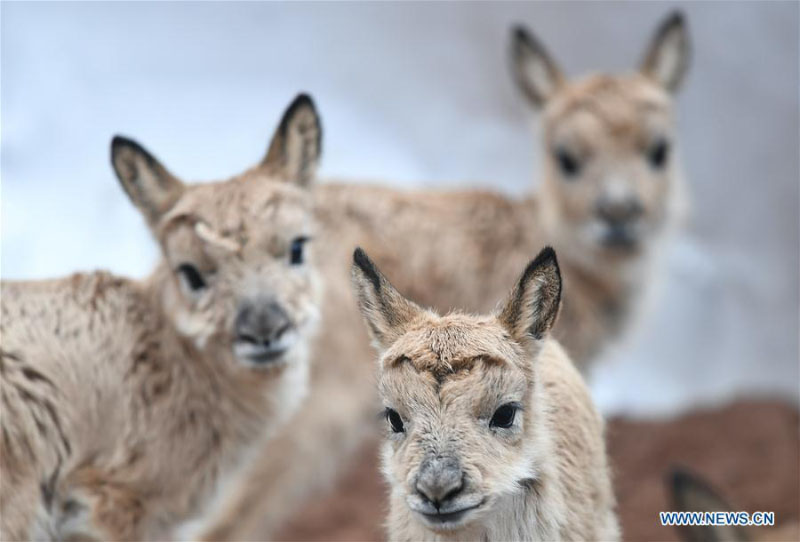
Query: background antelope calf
column 491, row 433
column 612, row 185
column 611, row 190
column 125, row 403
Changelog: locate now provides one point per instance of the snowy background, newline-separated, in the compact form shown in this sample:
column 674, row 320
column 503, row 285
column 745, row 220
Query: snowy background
column 420, row 95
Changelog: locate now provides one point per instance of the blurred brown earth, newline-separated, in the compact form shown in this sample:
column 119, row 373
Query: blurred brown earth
column 749, row 451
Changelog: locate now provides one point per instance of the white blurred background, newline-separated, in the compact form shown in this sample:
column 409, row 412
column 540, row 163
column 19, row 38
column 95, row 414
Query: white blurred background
column 419, row 95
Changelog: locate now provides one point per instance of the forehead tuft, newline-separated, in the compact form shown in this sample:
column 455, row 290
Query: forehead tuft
column 453, row 344
column 245, row 205
column 617, row 102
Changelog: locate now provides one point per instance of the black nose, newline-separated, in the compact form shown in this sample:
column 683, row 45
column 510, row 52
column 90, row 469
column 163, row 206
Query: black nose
column 261, row 323
column 440, row 480
column 616, row 212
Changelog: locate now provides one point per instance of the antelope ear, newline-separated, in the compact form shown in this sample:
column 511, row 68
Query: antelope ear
column 531, row 309
column 667, row 58
column 386, row 312
column 296, row 146
column 691, row 494
column 149, row 185
column 536, row 73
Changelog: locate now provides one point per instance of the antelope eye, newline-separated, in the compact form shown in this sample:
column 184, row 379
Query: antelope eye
column 567, row 162
column 191, row 277
column 395, row 420
column 504, row 416
column 296, row 256
column 658, row 154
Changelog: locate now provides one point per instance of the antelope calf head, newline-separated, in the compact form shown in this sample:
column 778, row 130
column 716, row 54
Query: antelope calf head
column 236, row 278
column 611, row 175
column 460, row 394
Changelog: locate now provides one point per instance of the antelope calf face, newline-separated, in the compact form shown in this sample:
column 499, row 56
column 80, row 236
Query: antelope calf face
column 460, row 395
column 239, row 284
column 611, row 174
column 455, row 419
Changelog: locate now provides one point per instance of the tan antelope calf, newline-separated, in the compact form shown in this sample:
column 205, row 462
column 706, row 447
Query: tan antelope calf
column 126, row 404
column 491, row 432
column 689, row 493
column 611, row 191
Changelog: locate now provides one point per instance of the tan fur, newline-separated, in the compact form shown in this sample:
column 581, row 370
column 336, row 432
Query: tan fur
column 462, row 249
column 545, row 477
column 127, row 404
column 690, row 493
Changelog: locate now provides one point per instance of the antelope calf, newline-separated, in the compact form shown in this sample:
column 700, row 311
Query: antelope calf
column 127, row 403
column 490, row 430
column 612, row 184
column 611, row 191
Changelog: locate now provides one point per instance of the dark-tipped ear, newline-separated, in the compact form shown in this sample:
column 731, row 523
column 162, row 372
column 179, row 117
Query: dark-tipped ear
column 531, row 309
column 692, row 494
column 534, row 69
column 152, row 188
column 386, row 312
column 667, row 58
column 295, row 149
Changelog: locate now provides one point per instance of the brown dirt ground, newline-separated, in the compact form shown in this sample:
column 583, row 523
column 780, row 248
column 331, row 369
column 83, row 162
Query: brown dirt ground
column 749, row 451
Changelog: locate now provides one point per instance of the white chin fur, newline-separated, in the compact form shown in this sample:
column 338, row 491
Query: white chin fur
column 249, row 353
column 194, row 328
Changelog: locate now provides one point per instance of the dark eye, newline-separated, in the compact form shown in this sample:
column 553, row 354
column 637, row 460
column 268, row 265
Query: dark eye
column 658, row 154
column 395, row 421
column 567, row 162
column 191, row 276
column 504, row 416
column 296, row 250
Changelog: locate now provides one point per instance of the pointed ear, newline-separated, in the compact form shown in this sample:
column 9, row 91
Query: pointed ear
column 149, row 185
column 297, row 144
column 531, row 309
column 667, row 58
column 691, row 494
column 534, row 69
column 386, row 312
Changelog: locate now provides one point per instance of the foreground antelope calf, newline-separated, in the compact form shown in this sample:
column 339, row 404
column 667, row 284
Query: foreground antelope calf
column 126, row 403
column 491, row 433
